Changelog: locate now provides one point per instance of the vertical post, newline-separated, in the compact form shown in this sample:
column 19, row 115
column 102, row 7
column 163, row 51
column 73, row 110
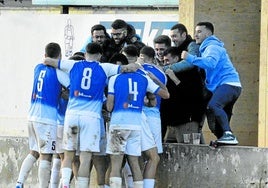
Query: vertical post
column 65, row 9
column 263, row 78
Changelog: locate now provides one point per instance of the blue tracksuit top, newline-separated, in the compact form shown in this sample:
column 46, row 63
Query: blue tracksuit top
column 216, row 63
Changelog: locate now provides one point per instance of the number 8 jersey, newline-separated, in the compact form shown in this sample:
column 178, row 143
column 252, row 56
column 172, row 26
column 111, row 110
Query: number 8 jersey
column 87, row 82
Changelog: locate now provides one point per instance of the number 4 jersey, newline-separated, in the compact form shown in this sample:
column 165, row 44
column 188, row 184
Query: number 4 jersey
column 129, row 90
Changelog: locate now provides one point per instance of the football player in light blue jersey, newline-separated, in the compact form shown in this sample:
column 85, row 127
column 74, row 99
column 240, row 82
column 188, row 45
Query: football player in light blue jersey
column 126, row 93
column 82, row 120
column 58, row 156
column 42, row 118
column 153, row 121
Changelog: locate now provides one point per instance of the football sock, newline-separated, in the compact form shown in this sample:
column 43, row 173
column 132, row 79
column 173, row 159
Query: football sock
column 55, row 173
column 26, row 167
column 66, row 176
column 138, row 184
column 148, row 183
column 115, row 182
column 44, row 171
column 82, row 182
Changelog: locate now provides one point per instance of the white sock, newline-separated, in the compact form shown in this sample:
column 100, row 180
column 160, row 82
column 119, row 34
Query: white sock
column 138, row 184
column 82, row 182
column 115, row 182
column 26, row 167
column 128, row 176
column 44, row 173
column 228, row 132
column 148, row 183
column 66, row 176
column 55, row 173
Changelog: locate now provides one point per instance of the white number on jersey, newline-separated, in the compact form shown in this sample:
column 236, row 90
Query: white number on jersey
column 86, row 80
column 41, row 80
column 133, row 89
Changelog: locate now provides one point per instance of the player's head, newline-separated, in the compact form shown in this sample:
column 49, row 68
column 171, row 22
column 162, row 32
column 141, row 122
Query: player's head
column 93, row 51
column 77, row 56
column 171, row 55
column 131, row 52
column 53, row 50
column 119, row 59
column 147, row 53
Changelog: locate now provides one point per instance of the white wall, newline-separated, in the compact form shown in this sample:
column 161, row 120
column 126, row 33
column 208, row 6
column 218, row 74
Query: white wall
column 23, row 38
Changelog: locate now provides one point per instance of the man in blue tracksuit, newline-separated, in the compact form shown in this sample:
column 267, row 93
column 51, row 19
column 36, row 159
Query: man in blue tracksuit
column 222, row 79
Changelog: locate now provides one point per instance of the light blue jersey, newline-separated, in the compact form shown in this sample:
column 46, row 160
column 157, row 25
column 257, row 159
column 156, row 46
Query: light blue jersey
column 62, row 106
column 154, row 111
column 45, row 95
column 87, row 83
column 129, row 90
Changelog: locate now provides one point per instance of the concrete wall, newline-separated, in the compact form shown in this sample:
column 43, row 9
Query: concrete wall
column 237, row 24
column 187, row 166
column 181, row 166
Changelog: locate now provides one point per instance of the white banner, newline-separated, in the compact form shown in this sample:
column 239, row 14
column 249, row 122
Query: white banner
column 23, row 39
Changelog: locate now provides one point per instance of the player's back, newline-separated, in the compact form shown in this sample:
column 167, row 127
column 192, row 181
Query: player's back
column 159, row 74
column 45, row 95
column 129, row 90
column 87, row 82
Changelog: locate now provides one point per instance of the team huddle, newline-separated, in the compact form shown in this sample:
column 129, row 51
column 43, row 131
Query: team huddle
column 118, row 99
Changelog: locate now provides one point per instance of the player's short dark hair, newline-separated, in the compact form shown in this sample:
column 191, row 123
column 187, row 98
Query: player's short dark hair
column 119, row 57
column 79, row 54
column 163, row 39
column 180, row 27
column 147, row 50
column 119, row 24
column 131, row 50
column 208, row 25
column 77, row 57
column 173, row 51
column 53, row 50
column 93, row 48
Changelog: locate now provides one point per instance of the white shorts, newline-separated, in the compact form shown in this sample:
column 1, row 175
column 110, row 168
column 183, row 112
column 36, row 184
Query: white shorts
column 103, row 139
column 122, row 141
column 147, row 139
column 155, row 127
column 59, row 140
column 81, row 132
column 42, row 137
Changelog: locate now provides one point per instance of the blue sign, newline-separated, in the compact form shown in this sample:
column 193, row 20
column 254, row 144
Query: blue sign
column 156, row 28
